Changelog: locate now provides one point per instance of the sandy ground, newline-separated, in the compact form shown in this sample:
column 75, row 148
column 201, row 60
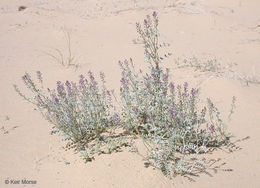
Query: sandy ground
column 102, row 33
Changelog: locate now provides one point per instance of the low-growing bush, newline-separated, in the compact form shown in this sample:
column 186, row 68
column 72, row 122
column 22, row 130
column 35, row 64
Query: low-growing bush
column 169, row 118
column 80, row 111
column 166, row 116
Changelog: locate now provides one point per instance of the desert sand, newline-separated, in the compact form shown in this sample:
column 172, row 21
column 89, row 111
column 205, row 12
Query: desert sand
column 103, row 32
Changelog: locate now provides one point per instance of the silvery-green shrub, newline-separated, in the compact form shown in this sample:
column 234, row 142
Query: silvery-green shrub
column 80, row 111
column 165, row 115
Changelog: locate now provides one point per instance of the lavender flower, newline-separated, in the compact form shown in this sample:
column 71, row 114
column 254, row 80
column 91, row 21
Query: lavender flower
column 146, row 23
column 61, row 89
column 81, row 81
column 132, row 142
column 135, row 110
column 120, row 63
column 56, row 100
column 67, row 83
column 192, row 92
column 171, row 86
column 171, row 112
column 212, row 128
column 39, row 76
column 69, row 89
column 108, row 93
column 69, row 116
column 90, row 74
column 165, row 77
column 154, row 14
column 115, row 116
column 185, row 84
column 124, row 81
column 24, row 78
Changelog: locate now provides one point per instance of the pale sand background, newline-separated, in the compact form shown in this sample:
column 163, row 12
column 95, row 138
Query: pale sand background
column 102, row 33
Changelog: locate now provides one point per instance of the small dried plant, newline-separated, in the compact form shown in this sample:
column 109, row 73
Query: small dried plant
column 212, row 66
column 218, row 69
column 58, row 55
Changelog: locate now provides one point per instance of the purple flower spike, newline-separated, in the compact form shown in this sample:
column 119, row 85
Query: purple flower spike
column 91, row 77
column 192, row 92
column 123, row 80
column 116, row 116
column 165, row 76
column 24, row 77
column 74, row 85
column 148, row 78
column 69, row 116
column 69, row 89
column 81, row 77
column 185, row 84
column 132, row 142
column 39, row 74
column 67, row 83
column 81, row 81
column 61, row 89
column 135, row 110
column 171, row 85
column 154, row 14
column 171, row 112
column 212, row 128
column 145, row 23
column 56, row 100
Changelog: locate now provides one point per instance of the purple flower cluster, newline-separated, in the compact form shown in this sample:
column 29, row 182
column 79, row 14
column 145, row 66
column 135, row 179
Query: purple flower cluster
column 115, row 116
column 54, row 98
column 39, row 76
column 61, row 89
column 93, row 82
column 69, row 88
column 70, row 116
column 154, row 14
column 193, row 91
column 135, row 110
column 124, row 81
column 171, row 86
column 81, row 81
column 25, row 78
column 171, row 112
column 165, row 77
column 146, row 23
column 212, row 128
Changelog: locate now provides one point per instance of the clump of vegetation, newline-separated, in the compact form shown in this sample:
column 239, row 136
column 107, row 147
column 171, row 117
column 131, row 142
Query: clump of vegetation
column 169, row 118
column 64, row 60
column 218, row 69
column 166, row 116
column 212, row 66
column 82, row 112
